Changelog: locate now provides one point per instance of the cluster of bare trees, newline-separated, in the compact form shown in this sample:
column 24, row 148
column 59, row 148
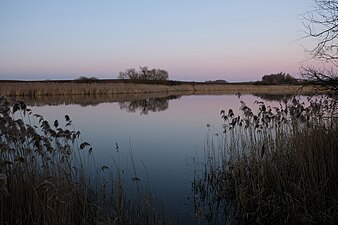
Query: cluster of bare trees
column 144, row 74
column 321, row 25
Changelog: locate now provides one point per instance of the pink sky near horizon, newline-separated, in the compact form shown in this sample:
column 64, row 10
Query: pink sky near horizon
column 194, row 40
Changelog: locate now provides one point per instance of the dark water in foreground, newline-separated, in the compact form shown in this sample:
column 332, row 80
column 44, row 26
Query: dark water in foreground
column 165, row 136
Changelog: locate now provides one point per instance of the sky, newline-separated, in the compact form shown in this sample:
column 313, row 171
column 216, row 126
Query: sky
column 233, row 40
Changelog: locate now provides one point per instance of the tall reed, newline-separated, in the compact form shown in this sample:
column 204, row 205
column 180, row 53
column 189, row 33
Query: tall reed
column 48, row 176
column 53, row 88
column 276, row 167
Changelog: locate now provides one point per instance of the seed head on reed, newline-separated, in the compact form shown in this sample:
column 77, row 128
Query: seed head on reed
column 280, row 168
column 50, row 176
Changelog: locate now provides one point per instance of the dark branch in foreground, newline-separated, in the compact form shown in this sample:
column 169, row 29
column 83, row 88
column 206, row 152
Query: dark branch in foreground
column 327, row 79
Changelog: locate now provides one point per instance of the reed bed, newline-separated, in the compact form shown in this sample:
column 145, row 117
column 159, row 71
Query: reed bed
column 34, row 89
column 84, row 89
column 48, row 176
column 278, row 166
column 252, row 89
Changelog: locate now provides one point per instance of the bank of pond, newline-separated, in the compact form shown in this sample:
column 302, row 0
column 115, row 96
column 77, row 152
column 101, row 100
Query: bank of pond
column 117, row 87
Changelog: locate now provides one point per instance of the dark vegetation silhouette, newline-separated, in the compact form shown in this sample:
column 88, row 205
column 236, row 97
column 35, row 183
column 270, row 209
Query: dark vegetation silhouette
column 216, row 82
column 277, row 166
column 144, row 74
column 87, row 79
column 48, row 176
column 321, row 26
column 278, row 78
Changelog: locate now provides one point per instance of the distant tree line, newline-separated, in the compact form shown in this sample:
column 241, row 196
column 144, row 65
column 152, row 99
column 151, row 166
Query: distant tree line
column 87, row 79
column 216, row 82
column 278, row 78
column 144, row 74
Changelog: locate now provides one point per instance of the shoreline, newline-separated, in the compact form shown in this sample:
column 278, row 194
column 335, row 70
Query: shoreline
column 52, row 88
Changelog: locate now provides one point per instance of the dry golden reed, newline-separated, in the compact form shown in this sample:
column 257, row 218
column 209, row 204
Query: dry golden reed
column 34, row 89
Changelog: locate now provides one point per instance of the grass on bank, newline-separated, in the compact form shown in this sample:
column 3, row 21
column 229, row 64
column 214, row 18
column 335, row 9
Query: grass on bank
column 53, row 88
column 279, row 166
column 47, row 176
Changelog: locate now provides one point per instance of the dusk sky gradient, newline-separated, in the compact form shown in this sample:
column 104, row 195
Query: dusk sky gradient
column 234, row 40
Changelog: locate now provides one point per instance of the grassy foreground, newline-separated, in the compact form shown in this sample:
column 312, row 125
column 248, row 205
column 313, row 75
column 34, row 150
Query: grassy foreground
column 279, row 166
column 47, row 176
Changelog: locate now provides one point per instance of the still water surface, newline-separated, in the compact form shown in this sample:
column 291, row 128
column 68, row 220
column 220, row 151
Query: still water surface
column 166, row 138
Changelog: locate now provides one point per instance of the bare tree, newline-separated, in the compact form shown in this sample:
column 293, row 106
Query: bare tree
column 321, row 25
column 327, row 79
column 129, row 74
column 144, row 74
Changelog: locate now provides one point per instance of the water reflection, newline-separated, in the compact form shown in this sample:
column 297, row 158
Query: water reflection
column 154, row 102
column 272, row 97
column 140, row 102
column 147, row 105
column 168, row 147
column 277, row 97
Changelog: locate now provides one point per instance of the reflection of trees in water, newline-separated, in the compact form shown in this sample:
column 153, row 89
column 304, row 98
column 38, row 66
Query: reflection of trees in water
column 147, row 105
column 90, row 100
column 274, row 97
column 279, row 97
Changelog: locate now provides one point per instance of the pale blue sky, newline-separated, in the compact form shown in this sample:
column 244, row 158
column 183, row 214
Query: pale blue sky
column 235, row 40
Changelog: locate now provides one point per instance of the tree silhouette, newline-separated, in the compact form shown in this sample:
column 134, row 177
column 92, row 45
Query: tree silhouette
column 279, row 78
column 144, row 74
column 321, row 25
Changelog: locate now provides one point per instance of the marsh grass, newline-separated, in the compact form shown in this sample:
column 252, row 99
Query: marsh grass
column 114, row 87
column 48, row 176
column 278, row 166
column 36, row 89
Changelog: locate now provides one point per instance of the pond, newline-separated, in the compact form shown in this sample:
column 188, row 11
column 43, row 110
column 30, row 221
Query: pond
column 163, row 137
